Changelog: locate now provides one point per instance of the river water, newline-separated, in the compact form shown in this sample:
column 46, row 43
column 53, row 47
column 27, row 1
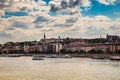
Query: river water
column 24, row 68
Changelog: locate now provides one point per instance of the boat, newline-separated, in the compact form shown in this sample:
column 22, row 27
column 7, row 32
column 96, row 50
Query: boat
column 115, row 58
column 12, row 55
column 52, row 56
column 97, row 57
column 37, row 58
column 66, row 56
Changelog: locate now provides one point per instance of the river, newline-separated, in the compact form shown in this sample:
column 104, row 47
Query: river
column 24, row 68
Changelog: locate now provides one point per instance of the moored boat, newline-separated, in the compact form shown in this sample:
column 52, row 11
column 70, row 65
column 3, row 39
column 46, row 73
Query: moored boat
column 97, row 57
column 66, row 56
column 37, row 58
column 52, row 56
column 115, row 58
column 11, row 55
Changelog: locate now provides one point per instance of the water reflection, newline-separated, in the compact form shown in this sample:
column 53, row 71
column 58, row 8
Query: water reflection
column 24, row 68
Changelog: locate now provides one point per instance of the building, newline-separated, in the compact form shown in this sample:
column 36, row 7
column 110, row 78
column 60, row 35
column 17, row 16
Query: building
column 26, row 48
column 83, row 47
column 114, row 48
column 52, row 45
column 55, row 47
column 112, row 38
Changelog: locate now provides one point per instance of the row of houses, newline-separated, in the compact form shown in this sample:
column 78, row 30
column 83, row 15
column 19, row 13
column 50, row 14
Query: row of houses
column 106, row 48
column 55, row 45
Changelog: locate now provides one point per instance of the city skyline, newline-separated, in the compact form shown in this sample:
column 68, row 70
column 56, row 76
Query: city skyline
column 108, row 37
column 24, row 20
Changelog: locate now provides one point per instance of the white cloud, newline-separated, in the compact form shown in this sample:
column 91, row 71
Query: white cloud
column 118, row 19
column 86, row 3
column 70, row 5
column 22, row 5
column 37, row 22
column 107, row 2
column 57, row 25
column 2, row 12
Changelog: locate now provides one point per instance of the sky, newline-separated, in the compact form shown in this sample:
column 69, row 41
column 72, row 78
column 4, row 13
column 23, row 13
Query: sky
column 28, row 20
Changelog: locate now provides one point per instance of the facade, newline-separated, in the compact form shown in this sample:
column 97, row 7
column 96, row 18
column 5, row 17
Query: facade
column 106, row 48
column 114, row 48
column 51, row 47
column 26, row 48
column 54, row 45
column 111, row 38
column 83, row 47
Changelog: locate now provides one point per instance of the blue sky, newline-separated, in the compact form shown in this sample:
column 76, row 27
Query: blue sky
column 88, row 19
column 101, row 9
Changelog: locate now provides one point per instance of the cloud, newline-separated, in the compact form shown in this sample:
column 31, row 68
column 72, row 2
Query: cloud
column 10, row 28
column 85, row 3
column 38, row 26
column 118, row 19
column 2, row 12
column 4, row 34
column 63, row 25
column 4, row 3
column 21, row 5
column 38, row 21
column 41, row 19
column 57, row 5
column 24, row 28
column 19, row 25
column 71, row 20
column 107, row 2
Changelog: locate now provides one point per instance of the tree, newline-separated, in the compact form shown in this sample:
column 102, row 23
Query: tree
column 95, row 51
column 118, row 51
column 66, row 51
column 82, row 51
column 76, row 51
column 63, row 50
column 69, row 51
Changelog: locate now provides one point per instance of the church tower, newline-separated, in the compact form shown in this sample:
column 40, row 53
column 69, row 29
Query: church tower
column 44, row 37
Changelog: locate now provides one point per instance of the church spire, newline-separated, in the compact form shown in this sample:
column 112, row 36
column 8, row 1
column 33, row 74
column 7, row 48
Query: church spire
column 44, row 37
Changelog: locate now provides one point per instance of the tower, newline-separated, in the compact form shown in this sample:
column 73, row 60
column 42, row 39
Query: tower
column 100, row 36
column 59, row 37
column 44, row 37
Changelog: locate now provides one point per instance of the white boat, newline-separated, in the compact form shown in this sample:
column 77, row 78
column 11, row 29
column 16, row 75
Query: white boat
column 115, row 58
column 66, row 56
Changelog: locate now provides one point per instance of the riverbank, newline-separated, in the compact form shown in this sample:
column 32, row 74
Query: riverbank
column 105, row 56
column 94, row 55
